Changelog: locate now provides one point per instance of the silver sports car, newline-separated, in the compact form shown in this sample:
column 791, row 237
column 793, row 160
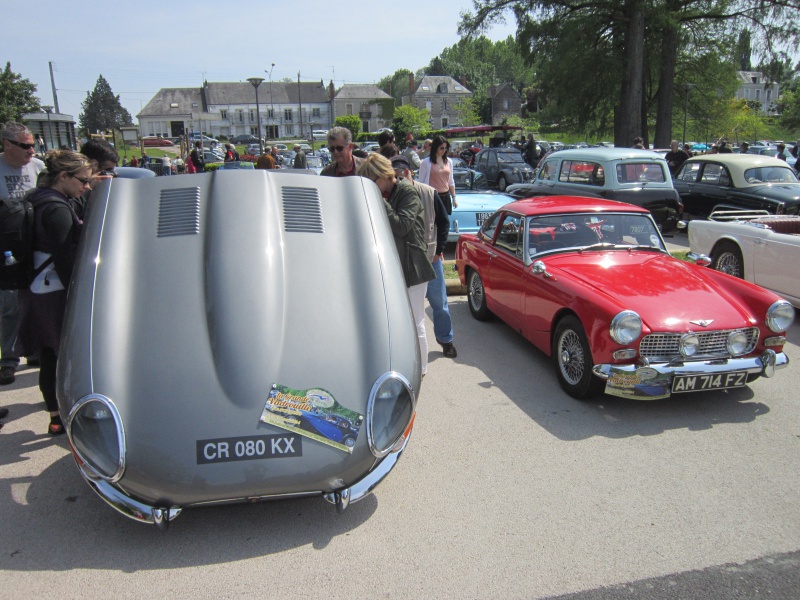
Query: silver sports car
column 236, row 336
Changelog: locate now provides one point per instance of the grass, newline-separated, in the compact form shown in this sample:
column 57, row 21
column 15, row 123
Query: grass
column 450, row 269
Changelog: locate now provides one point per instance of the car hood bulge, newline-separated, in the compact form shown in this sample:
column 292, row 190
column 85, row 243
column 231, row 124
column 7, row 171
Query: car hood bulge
column 666, row 293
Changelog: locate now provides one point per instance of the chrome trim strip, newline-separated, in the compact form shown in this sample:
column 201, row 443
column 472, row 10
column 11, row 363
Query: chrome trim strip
column 764, row 365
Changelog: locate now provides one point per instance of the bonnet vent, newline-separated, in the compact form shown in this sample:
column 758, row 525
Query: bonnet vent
column 301, row 210
column 179, row 212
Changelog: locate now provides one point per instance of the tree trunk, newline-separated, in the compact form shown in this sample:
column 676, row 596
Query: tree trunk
column 666, row 83
column 630, row 106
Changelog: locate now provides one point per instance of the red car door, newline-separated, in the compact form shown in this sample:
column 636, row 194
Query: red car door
column 504, row 275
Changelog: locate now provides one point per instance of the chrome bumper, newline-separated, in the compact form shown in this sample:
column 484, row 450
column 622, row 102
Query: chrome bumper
column 764, row 365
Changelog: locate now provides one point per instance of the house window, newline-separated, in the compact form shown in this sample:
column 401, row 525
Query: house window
column 349, row 109
column 223, row 114
column 287, row 115
column 444, row 104
column 240, row 114
column 758, row 94
column 505, row 103
column 315, row 113
column 254, row 131
column 252, row 115
column 428, row 105
column 271, row 113
column 441, row 88
column 445, row 122
column 288, row 129
column 769, row 95
column 747, row 94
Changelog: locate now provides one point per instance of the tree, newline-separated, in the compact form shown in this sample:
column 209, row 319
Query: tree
column 743, row 51
column 467, row 112
column 789, row 107
column 351, row 122
column 396, row 85
column 409, row 119
column 102, row 110
column 17, row 96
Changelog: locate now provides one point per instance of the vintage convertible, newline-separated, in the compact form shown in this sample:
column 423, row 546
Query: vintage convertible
column 236, row 336
column 591, row 283
column 753, row 245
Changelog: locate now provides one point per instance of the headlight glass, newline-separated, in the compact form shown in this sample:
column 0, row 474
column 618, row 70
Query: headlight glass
column 737, row 343
column 95, row 430
column 626, row 327
column 390, row 408
column 689, row 345
column 780, row 316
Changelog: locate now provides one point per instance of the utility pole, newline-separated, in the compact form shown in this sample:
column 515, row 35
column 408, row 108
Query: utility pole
column 53, row 85
column 300, row 103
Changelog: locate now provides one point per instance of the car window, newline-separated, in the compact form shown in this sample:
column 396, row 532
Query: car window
column 462, row 179
column 492, row 159
column 509, row 157
column 509, row 237
column 589, row 173
column 631, row 172
column 770, row 175
column 490, row 226
column 548, row 171
column 711, row 173
column 689, row 172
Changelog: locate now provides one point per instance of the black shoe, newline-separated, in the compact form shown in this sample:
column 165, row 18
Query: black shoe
column 449, row 350
column 3, row 412
column 7, row 375
column 33, row 361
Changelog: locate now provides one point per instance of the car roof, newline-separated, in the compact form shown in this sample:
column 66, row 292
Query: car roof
column 605, row 153
column 544, row 205
column 741, row 160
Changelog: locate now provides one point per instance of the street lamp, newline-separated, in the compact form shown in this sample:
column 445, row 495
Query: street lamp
column 256, row 81
column 48, row 110
column 689, row 87
column 271, row 104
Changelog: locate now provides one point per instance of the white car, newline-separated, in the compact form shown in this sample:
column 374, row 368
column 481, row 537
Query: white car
column 752, row 245
column 319, row 134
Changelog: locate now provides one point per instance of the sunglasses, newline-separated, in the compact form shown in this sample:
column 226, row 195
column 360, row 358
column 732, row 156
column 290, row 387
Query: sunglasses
column 84, row 181
column 22, row 145
column 336, row 148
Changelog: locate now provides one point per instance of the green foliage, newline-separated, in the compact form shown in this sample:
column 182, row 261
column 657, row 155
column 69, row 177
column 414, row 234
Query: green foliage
column 467, row 112
column 789, row 107
column 351, row 122
column 409, row 119
column 16, row 96
column 102, row 110
column 396, row 85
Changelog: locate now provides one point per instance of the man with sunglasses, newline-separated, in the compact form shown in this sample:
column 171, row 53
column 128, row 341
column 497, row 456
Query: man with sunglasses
column 343, row 163
column 18, row 172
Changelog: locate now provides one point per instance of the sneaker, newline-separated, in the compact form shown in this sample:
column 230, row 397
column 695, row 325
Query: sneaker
column 3, row 412
column 7, row 375
column 449, row 350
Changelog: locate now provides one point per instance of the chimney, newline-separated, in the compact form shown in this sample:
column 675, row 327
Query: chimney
column 331, row 90
column 463, row 81
column 411, row 84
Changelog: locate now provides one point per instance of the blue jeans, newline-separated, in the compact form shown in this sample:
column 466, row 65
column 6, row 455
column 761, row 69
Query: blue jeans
column 437, row 298
column 9, row 327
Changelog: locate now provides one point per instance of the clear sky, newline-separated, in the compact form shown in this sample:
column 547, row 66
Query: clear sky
column 140, row 47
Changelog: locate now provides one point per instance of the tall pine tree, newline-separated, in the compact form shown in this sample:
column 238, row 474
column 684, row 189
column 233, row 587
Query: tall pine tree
column 102, row 110
column 17, row 96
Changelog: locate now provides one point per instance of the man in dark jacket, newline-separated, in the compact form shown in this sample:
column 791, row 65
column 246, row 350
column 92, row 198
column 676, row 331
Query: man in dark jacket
column 198, row 160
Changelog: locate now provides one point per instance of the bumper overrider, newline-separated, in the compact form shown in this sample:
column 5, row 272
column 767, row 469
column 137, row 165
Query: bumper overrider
column 660, row 380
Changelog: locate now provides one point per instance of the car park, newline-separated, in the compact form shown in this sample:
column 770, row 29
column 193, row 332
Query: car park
column 640, row 177
column 503, row 166
column 753, row 245
column 153, row 141
column 285, row 393
column 590, row 283
column 476, row 203
column 737, row 181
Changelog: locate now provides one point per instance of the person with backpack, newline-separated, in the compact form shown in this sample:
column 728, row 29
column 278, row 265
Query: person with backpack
column 56, row 228
column 18, row 172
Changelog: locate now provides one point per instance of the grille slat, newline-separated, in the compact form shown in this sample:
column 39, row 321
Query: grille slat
column 665, row 346
column 302, row 212
column 179, row 212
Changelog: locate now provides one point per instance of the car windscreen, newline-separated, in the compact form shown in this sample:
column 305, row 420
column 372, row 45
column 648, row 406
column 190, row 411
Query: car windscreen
column 509, row 157
column 313, row 161
column 770, row 174
column 609, row 231
column 638, row 172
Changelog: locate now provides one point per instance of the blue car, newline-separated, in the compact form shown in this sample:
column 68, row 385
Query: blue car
column 476, row 203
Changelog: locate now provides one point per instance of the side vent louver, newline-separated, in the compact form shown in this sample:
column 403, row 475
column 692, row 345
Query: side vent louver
column 179, row 212
column 301, row 210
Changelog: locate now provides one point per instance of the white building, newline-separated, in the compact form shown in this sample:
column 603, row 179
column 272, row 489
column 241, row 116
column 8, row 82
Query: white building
column 372, row 105
column 754, row 87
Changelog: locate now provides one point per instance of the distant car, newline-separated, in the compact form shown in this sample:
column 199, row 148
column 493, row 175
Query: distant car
column 253, row 149
column 207, row 141
column 476, row 203
column 319, row 134
column 280, row 147
column 640, row 177
column 773, row 152
column 156, row 141
column 306, row 148
column 737, row 181
column 503, row 166
column 133, row 173
column 289, row 391
column 314, row 163
column 591, row 284
column 370, row 146
column 244, row 139
column 212, row 157
column 752, row 245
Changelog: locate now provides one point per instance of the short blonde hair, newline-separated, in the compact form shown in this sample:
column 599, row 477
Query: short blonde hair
column 376, row 166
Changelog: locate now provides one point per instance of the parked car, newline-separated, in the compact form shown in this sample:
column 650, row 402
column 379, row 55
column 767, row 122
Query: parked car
column 773, row 151
column 640, row 177
column 319, row 134
column 591, row 284
column 370, row 146
column 239, row 417
column 315, row 163
column 737, row 181
column 306, row 148
column 212, row 157
column 503, row 166
column 753, row 245
column 244, row 139
column 207, row 141
column 476, row 203
column 237, row 164
column 280, row 147
column 253, row 149
column 152, row 140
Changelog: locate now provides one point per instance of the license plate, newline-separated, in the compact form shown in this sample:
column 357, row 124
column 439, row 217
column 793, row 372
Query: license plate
column 481, row 217
column 252, row 447
column 708, row 381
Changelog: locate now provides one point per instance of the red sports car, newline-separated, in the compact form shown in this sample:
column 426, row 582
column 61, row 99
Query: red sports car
column 591, row 283
column 156, row 141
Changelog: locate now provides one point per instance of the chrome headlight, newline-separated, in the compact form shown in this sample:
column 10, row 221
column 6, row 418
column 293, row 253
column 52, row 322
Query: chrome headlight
column 780, row 316
column 389, row 412
column 737, row 343
column 96, row 433
column 689, row 345
column 626, row 327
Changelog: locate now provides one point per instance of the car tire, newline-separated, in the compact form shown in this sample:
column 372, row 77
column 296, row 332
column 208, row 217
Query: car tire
column 572, row 358
column 476, row 296
column 727, row 258
column 502, row 183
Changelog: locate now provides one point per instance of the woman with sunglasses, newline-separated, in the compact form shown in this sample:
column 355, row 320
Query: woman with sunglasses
column 437, row 172
column 56, row 227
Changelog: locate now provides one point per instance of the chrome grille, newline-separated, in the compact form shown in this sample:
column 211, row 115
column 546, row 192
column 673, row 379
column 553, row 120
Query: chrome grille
column 179, row 212
column 301, row 210
column 665, row 346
